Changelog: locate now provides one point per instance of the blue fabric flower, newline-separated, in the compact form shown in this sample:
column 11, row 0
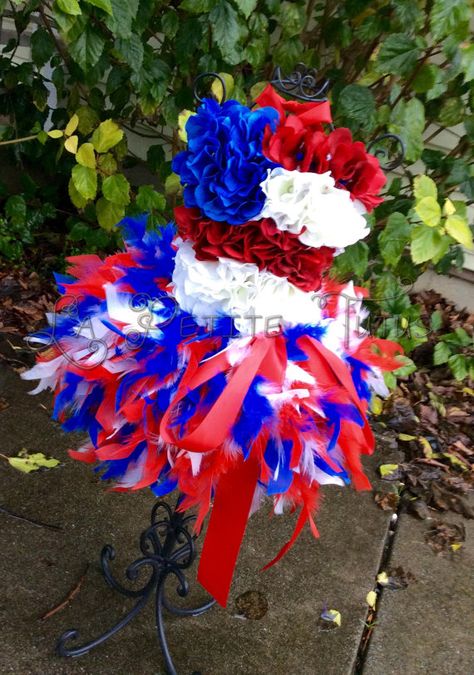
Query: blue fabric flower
column 223, row 166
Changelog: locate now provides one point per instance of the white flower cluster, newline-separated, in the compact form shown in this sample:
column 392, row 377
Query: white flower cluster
column 309, row 204
column 258, row 301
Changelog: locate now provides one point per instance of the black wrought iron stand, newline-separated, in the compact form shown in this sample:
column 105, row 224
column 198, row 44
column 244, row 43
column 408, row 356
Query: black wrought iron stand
column 168, row 548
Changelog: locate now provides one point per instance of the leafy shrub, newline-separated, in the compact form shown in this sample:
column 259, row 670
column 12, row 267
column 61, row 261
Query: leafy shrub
column 124, row 67
column 457, row 350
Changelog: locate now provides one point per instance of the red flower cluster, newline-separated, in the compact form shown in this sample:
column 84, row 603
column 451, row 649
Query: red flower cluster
column 300, row 143
column 258, row 242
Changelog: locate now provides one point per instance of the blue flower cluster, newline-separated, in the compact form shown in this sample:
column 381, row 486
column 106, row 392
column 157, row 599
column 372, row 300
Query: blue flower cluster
column 223, row 166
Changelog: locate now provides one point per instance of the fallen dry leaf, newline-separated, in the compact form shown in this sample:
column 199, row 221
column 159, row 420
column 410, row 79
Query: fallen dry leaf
column 330, row 619
column 388, row 501
column 251, row 605
column 27, row 462
column 443, row 535
column 371, row 599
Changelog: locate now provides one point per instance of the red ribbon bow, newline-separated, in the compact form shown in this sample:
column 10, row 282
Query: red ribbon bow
column 234, row 492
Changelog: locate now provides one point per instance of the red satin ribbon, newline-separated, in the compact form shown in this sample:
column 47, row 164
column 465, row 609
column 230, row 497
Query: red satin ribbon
column 235, row 490
column 267, row 356
column 229, row 517
column 310, row 114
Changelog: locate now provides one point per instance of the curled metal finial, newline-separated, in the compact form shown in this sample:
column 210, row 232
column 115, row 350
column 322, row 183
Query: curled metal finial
column 302, row 84
column 204, row 76
column 385, row 147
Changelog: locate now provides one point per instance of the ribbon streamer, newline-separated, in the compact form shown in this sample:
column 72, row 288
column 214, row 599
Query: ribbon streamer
column 233, row 496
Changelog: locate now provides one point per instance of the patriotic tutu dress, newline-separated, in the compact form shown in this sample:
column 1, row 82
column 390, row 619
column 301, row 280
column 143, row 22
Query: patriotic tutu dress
column 216, row 355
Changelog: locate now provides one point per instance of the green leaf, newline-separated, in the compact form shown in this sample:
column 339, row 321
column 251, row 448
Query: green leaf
column 436, row 321
column 464, row 340
column 443, row 250
column 292, row 18
column 426, row 244
column 459, row 230
column 425, row 78
column 408, row 120
column 16, row 210
column 197, row 6
column 108, row 214
column 155, row 157
column 441, row 353
column 87, row 119
column 408, row 13
column 170, row 23
column 440, row 84
column 172, row 184
column 451, row 112
column 40, row 95
column 460, row 208
column 71, row 143
column 398, row 54
column 123, row 14
column 107, row 163
column 357, row 104
column 469, row 126
column 149, row 199
column 116, row 189
column 467, row 61
column 106, row 136
column 27, row 463
column 225, row 30
column 77, row 199
column 429, row 211
column 256, row 52
column 352, row 262
column 387, row 470
column 101, row 4
column 246, row 7
column 424, row 186
column 450, row 19
column 79, row 231
column 86, row 156
column 69, row 7
column 131, row 51
column 88, row 48
column 42, row 47
column 390, row 295
column 393, row 239
column 458, row 364
column 407, row 368
column 85, row 181
column 288, row 53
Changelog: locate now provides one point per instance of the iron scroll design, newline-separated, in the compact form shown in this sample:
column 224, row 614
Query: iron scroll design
column 168, row 549
column 389, row 150
column 303, row 84
column 204, row 76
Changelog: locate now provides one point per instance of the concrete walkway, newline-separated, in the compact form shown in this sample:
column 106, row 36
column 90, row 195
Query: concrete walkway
column 39, row 567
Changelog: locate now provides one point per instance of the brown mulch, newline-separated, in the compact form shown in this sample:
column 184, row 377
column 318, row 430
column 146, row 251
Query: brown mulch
column 431, row 416
column 24, row 298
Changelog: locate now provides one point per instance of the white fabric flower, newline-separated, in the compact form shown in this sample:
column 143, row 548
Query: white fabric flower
column 310, row 205
column 258, row 301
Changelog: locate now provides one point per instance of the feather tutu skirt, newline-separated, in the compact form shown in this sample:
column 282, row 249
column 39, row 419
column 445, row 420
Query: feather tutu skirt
column 227, row 408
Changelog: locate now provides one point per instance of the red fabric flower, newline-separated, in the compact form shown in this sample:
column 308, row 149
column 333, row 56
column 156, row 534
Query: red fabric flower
column 300, row 143
column 258, row 242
